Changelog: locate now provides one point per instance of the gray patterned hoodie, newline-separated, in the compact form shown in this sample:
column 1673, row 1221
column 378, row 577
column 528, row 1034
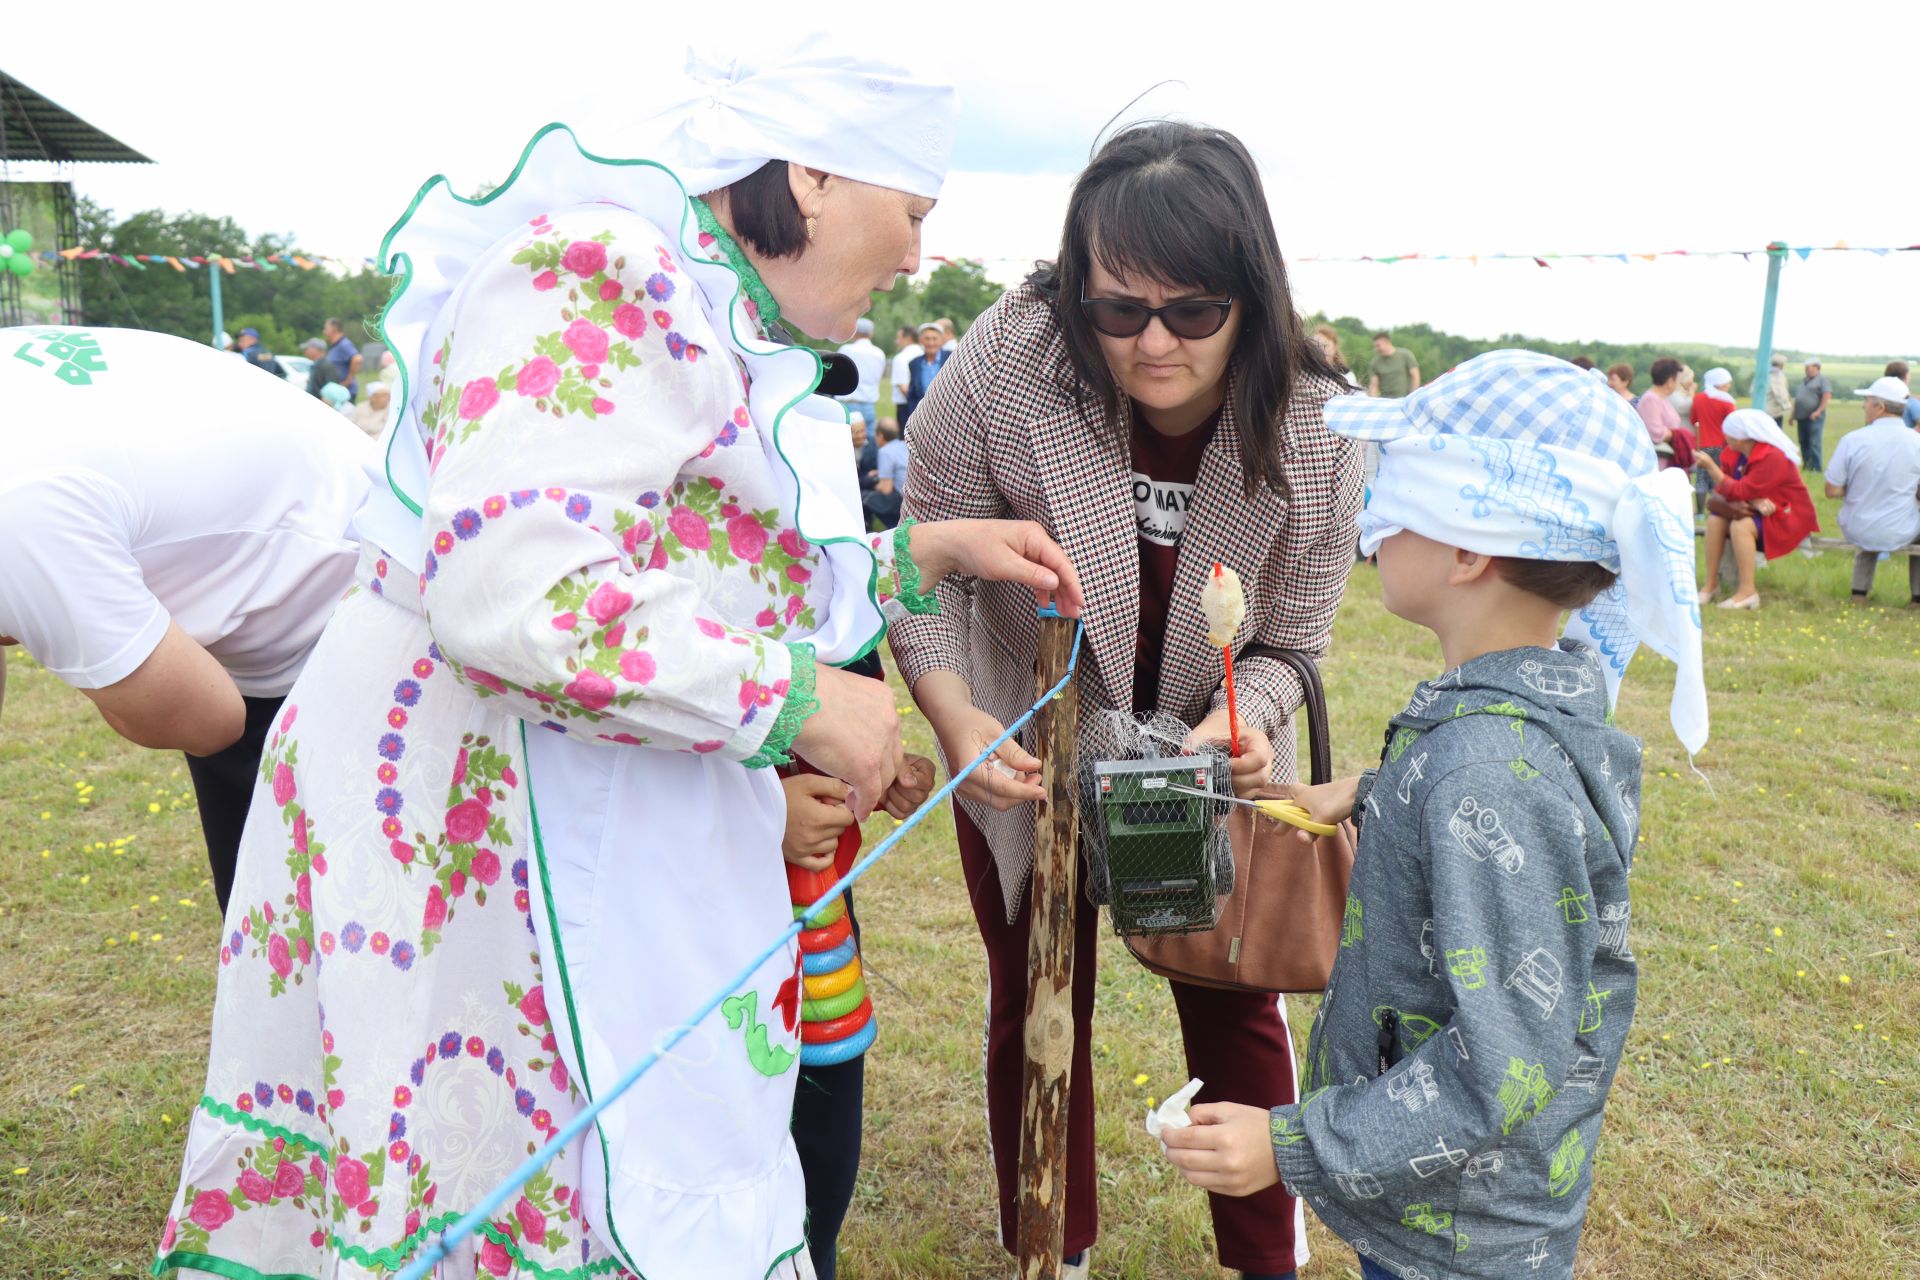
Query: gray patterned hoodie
column 1481, row 998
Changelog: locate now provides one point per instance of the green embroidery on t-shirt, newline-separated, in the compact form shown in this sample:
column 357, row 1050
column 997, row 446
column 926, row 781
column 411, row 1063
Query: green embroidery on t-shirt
column 73, row 357
column 1573, row 906
column 1352, row 931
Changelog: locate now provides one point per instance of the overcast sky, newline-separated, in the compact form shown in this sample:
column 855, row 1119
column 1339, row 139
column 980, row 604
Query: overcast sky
column 1382, row 129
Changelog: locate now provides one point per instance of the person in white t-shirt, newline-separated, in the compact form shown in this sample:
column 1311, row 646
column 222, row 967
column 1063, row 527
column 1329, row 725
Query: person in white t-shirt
column 173, row 560
column 871, row 361
column 906, row 345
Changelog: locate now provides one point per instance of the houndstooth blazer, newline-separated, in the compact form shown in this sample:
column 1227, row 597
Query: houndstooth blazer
column 1003, row 434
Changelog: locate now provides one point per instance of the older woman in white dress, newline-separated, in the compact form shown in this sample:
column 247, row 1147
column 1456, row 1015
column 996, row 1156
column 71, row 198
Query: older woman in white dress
column 515, row 821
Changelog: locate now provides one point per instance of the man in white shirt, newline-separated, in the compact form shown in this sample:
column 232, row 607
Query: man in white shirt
column 1875, row 472
column 906, row 345
column 871, row 361
column 174, row 559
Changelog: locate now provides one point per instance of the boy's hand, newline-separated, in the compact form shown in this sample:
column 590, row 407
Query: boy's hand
column 911, row 788
column 1330, row 802
column 1228, row 1149
column 816, row 815
column 1252, row 765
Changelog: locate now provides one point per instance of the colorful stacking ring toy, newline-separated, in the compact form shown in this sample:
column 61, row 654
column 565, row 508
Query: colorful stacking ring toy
column 828, row 961
column 832, row 1055
column 836, row 1017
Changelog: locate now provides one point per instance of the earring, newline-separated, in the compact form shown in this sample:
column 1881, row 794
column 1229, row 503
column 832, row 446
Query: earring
column 813, row 225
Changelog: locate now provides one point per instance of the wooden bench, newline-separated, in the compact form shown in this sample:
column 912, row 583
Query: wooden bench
column 1819, row 543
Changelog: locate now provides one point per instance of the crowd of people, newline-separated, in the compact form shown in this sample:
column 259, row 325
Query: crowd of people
column 1749, row 477
column 599, row 682
column 334, row 365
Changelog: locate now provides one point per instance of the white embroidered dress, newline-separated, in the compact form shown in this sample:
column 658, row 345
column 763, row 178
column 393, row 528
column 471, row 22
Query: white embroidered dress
column 504, row 839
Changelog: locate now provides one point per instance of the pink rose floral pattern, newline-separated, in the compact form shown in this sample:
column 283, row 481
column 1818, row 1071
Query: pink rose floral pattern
column 283, row 935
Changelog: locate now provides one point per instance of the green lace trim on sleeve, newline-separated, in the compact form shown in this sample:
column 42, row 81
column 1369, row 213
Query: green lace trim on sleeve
column 767, row 311
column 906, row 574
column 777, row 748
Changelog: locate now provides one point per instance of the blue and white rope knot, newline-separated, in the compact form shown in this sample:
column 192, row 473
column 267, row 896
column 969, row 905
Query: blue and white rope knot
column 483, row 1212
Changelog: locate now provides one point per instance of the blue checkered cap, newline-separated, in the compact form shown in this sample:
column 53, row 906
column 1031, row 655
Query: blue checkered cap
column 1509, row 395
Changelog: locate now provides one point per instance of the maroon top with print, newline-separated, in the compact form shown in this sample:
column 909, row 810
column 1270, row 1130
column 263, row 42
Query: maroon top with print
column 1165, row 470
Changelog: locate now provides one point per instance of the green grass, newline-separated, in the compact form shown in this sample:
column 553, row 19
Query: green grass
column 1763, row 1126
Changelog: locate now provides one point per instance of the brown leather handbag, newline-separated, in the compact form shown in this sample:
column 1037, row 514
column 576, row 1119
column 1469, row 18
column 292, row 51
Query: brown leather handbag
column 1280, row 928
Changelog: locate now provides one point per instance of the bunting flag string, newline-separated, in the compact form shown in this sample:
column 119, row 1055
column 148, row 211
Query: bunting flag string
column 1546, row 260
column 200, row 262
column 311, row 261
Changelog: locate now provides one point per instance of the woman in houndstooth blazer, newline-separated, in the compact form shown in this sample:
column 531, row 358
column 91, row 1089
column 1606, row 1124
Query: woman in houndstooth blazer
column 1151, row 399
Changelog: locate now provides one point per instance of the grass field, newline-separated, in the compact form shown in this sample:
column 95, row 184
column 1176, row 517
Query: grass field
column 1767, row 1123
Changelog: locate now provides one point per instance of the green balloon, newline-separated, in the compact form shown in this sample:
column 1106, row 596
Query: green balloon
column 20, row 264
column 20, row 238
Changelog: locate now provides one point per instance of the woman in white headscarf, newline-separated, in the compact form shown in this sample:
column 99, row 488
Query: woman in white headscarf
column 1759, row 504
column 517, row 820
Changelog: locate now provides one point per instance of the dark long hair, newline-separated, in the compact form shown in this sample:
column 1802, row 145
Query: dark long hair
column 1182, row 204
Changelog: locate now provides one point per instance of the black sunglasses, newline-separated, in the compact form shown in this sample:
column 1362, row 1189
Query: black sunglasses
column 1119, row 319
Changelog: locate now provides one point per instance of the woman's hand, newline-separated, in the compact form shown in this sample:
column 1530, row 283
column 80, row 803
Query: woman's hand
column 1764, row 506
column 1227, row 1149
column 854, row 736
column 1251, row 766
column 1706, row 463
column 1330, row 803
column 816, row 815
column 1001, row 551
column 1011, row 778
column 911, row 789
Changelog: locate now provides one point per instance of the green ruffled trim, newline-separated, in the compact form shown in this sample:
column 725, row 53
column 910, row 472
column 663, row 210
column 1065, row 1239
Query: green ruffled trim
column 906, row 574
column 185, row 1260
column 777, row 748
column 750, row 281
column 222, row 1111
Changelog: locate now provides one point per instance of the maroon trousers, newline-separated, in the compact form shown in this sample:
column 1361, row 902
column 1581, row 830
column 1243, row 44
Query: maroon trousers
column 1235, row 1041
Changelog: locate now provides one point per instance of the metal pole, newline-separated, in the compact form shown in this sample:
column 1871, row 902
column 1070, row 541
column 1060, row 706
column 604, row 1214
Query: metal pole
column 1763, row 367
column 219, row 318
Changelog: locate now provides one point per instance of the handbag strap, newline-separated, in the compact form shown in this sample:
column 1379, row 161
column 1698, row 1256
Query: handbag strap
column 1319, row 735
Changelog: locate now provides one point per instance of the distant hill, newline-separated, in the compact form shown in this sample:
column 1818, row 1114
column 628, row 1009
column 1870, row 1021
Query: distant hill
column 1438, row 351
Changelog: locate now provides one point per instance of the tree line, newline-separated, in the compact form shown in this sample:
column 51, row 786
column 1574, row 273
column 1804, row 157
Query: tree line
column 288, row 305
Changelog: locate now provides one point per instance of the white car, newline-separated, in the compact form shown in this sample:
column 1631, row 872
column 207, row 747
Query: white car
column 297, row 368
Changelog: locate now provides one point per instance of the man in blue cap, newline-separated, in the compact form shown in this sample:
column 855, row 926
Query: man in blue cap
column 256, row 354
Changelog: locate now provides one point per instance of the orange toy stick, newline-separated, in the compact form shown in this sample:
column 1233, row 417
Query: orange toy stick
column 1233, row 712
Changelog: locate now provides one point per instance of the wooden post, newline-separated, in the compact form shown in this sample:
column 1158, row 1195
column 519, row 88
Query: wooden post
column 1052, row 897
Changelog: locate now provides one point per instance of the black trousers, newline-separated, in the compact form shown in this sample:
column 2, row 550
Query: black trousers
column 223, row 787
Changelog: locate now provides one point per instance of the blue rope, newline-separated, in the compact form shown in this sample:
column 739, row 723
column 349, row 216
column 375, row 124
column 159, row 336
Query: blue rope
column 484, row 1211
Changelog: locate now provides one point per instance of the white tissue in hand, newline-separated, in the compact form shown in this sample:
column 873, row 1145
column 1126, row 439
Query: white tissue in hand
column 1225, row 606
column 1172, row 1114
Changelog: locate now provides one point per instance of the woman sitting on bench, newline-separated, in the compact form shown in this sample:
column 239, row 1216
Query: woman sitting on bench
column 1759, row 503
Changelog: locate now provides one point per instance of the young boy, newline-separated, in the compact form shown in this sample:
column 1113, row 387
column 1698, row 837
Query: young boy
column 1478, row 1008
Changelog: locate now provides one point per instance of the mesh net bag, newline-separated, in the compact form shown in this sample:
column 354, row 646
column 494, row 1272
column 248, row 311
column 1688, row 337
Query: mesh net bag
column 1151, row 826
